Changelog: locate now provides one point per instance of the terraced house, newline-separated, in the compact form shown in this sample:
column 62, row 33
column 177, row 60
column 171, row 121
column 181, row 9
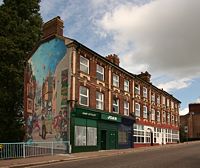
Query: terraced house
column 74, row 94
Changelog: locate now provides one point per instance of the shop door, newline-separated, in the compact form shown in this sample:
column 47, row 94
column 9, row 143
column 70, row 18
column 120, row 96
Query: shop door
column 151, row 138
column 112, row 140
column 103, row 139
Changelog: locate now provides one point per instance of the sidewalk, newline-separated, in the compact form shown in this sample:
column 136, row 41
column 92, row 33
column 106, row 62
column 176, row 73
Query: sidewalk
column 34, row 161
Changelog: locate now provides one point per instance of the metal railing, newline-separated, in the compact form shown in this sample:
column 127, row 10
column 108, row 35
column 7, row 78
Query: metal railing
column 30, row 149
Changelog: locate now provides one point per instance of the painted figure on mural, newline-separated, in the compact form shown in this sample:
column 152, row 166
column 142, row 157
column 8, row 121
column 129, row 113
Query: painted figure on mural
column 43, row 127
column 29, row 127
column 64, row 130
column 58, row 125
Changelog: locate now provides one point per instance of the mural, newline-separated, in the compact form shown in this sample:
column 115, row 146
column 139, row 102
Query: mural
column 47, row 89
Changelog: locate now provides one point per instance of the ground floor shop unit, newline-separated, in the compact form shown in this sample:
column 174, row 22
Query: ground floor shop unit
column 145, row 135
column 93, row 130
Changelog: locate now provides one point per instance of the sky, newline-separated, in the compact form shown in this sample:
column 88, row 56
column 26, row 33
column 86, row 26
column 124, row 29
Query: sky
column 158, row 36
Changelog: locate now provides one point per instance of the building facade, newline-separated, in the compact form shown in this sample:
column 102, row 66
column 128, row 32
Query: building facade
column 89, row 100
column 190, row 122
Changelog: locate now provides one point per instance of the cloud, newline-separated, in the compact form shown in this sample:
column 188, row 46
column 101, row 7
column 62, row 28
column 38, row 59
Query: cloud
column 178, row 84
column 163, row 36
column 184, row 111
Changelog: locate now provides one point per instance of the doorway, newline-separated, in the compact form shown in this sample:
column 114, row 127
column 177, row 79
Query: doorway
column 103, row 139
column 151, row 138
column 112, row 139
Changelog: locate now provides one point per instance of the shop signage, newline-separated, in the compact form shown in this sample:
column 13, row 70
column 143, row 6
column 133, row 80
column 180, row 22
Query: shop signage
column 110, row 117
column 89, row 114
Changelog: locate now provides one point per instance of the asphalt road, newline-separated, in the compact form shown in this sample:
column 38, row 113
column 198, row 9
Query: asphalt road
column 180, row 156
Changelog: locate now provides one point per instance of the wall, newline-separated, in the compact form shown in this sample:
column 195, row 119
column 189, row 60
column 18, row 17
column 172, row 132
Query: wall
column 46, row 88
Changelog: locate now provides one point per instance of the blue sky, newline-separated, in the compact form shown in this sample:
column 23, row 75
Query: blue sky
column 158, row 36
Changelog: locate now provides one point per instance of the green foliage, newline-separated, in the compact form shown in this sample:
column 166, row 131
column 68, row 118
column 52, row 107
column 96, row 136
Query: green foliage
column 20, row 30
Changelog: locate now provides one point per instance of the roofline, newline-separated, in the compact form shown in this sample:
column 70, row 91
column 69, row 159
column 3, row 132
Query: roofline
column 120, row 68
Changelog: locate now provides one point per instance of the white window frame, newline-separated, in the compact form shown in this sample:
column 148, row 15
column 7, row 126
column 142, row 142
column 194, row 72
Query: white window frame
column 168, row 102
column 145, row 92
column 137, row 89
column 173, row 119
column 116, row 104
column 115, row 80
column 168, row 118
column 126, row 85
column 84, row 65
column 163, row 117
column 158, row 100
column 152, row 114
column 172, row 104
column 153, row 97
column 158, row 116
column 99, row 100
column 163, row 100
column 85, row 96
column 126, row 108
column 137, row 109
column 139, row 133
column 145, row 112
column 100, row 71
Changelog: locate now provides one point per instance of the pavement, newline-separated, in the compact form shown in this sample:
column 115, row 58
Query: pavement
column 42, row 160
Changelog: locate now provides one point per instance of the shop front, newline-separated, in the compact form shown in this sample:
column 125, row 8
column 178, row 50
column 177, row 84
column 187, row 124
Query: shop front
column 125, row 132
column 93, row 130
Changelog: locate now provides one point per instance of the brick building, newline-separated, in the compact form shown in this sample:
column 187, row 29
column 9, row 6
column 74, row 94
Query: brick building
column 102, row 105
column 190, row 122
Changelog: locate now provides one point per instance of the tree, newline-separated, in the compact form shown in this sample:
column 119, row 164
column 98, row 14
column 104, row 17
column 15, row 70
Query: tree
column 20, row 29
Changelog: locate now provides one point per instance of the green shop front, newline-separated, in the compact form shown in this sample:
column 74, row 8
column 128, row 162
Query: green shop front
column 92, row 130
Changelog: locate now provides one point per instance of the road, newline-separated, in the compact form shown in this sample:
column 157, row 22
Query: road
column 177, row 156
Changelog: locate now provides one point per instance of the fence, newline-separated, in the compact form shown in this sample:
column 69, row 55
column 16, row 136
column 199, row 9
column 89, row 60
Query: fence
column 24, row 149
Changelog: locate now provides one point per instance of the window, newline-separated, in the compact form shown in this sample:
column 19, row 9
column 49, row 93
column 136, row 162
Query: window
column 153, row 115
column 168, row 118
column 85, row 136
column 138, row 133
column 115, row 105
column 99, row 100
column 148, row 136
column 167, row 102
column 115, row 80
column 176, row 120
column 84, row 64
column 84, row 96
column 100, row 73
column 173, row 119
column 80, row 136
column 91, row 136
column 158, row 100
column 137, row 89
column 144, row 92
column 123, row 134
column 163, row 100
column 144, row 111
column 137, row 109
column 126, row 85
column 172, row 104
column 126, row 108
column 153, row 97
column 163, row 117
column 158, row 116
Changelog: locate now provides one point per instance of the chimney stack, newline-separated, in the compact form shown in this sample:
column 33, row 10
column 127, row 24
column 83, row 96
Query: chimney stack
column 113, row 58
column 145, row 76
column 53, row 27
